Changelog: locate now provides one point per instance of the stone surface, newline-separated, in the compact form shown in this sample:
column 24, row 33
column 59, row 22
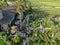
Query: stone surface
column 8, row 17
column 1, row 15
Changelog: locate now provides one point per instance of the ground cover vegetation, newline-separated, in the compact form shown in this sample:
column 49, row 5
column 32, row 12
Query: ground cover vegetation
column 45, row 17
column 2, row 3
column 49, row 19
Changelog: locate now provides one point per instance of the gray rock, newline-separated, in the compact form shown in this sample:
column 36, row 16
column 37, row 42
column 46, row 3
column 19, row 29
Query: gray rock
column 1, row 15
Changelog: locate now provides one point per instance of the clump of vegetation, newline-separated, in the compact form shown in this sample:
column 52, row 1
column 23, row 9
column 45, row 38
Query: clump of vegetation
column 45, row 18
column 3, row 38
column 2, row 3
column 16, row 38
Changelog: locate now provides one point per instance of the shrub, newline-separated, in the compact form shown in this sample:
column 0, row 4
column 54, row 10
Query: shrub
column 16, row 38
column 2, row 42
column 2, row 3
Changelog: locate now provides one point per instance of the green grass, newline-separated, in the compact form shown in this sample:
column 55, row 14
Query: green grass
column 46, row 12
column 45, row 3
column 51, row 11
column 43, row 13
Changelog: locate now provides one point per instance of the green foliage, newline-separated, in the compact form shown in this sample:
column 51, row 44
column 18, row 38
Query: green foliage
column 42, row 38
column 39, row 17
column 2, row 42
column 43, row 18
column 16, row 39
column 2, row 3
column 8, row 42
column 22, row 5
column 3, row 38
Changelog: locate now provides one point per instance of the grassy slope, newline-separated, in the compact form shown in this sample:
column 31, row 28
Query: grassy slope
column 52, row 11
column 45, row 3
column 49, row 11
column 46, row 12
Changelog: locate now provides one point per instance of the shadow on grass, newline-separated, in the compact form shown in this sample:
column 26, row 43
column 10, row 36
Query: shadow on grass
column 38, row 14
column 57, row 41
